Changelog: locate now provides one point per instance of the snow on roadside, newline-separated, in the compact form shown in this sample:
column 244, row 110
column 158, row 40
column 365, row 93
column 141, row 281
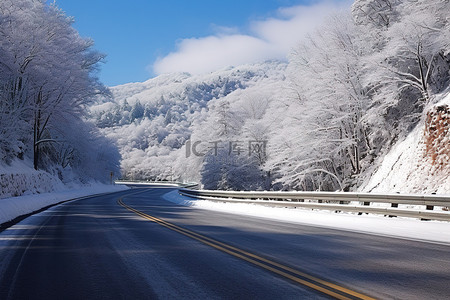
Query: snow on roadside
column 20, row 178
column 14, row 207
column 408, row 228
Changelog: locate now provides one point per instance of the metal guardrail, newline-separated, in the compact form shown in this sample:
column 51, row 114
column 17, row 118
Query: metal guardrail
column 315, row 200
column 190, row 185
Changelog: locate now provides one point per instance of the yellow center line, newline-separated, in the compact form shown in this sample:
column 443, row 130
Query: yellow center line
column 252, row 258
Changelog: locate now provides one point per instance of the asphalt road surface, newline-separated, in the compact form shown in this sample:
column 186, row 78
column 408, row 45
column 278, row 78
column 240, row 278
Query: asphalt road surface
column 135, row 245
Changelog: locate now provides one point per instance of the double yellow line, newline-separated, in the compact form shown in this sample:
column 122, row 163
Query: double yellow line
column 301, row 278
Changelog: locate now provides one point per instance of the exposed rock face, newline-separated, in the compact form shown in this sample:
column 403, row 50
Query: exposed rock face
column 421, row 162
column 437, row 137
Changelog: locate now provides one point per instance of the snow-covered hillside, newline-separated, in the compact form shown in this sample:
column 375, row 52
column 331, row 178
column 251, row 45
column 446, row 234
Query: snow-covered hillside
column 156, row 123
column 421, row 161
column 151, row 121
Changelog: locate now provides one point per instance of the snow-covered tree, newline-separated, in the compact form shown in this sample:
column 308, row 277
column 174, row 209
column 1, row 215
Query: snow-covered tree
column 48, row 79
column 229, row 170
column 375, row 13
column 138, row 111
column 327, row 109
column 416, row 55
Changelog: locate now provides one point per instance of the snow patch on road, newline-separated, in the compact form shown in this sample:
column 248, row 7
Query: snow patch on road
column 408, row 228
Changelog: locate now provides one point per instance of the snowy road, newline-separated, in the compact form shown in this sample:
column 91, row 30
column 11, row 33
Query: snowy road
column 135, row 245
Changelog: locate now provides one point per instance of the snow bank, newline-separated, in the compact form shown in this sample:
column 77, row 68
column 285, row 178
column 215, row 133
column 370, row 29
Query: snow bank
column 24, row 190
column 21, row 179
column 13, row 185
column 11, row 208
column 431, row 231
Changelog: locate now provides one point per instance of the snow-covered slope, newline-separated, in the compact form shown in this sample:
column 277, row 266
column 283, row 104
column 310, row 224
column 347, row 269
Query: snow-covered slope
column 420, row 163
column 20, row 178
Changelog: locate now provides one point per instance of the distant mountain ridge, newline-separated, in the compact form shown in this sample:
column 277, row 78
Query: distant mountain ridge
column 190, row 92
column 154, row 118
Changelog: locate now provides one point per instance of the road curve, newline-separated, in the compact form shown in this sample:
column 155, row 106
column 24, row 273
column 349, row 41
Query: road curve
column 135, row 245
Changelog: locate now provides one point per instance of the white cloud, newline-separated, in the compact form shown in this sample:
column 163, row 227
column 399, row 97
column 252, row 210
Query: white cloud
column 272, row 38
column 223, row 30
column 211, row 53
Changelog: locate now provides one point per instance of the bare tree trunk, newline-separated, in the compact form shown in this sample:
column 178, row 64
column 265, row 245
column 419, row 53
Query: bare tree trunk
column 36, row 131
column 35, row 141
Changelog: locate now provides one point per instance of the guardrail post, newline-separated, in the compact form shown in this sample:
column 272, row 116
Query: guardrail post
column 395, row 205
column 364, row 204
column 428, row 207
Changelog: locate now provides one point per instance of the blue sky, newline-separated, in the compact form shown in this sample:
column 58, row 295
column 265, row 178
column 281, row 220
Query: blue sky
column 145, row 38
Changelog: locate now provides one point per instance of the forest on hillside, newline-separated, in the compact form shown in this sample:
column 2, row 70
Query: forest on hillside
column 323, row 121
